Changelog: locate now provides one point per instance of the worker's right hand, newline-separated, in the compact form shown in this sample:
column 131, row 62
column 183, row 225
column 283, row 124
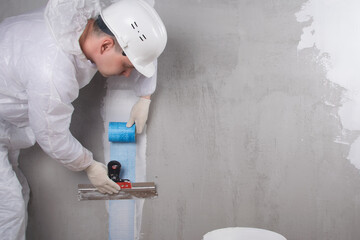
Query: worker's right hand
column 97, row 174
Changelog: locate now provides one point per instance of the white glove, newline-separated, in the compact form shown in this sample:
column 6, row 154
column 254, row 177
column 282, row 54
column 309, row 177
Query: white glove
column 139, row 114
column 97, row 174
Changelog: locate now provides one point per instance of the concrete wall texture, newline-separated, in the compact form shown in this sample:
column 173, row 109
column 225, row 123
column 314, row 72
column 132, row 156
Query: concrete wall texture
column 241, row 132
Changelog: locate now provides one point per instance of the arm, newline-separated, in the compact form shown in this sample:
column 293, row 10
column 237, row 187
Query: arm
column 50, row 119
column 49, row 106
column 144, row 88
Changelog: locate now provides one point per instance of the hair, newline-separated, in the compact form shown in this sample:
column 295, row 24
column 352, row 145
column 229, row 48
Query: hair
column 100, row 29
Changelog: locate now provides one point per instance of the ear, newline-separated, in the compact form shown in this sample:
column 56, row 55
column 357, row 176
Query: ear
column 106, row 45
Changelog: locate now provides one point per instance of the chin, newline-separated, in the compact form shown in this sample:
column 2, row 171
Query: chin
column 104, row 75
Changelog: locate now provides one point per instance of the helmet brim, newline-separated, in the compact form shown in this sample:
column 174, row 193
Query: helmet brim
column 147, row 71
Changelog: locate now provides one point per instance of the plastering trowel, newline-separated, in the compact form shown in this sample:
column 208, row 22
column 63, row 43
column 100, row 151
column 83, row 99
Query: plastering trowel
column 128, row 190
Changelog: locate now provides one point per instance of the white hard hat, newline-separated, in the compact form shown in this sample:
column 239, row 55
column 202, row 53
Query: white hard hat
column 139, row 31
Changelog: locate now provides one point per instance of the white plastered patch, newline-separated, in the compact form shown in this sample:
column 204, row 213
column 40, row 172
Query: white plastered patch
column 334, row 29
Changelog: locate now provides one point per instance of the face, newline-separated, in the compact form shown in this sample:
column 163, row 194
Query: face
column 113, row 63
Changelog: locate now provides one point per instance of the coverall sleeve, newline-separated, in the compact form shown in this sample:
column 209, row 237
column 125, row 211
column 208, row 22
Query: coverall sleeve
column 145, row 86
column 50, row 111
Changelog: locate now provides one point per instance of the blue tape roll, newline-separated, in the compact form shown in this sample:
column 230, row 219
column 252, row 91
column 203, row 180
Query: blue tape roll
column 118, row 132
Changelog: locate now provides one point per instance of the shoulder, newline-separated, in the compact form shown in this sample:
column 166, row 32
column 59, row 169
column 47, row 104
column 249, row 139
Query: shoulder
column 55, row 75
column 63, row 76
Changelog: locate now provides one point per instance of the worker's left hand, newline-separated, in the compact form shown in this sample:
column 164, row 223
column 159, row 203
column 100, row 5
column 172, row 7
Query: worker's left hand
column 139, row 114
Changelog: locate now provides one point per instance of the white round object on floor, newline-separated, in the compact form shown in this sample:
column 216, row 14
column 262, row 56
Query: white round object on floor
column 241, row 233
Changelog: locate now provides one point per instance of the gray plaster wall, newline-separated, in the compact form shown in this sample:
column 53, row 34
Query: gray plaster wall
column 239, row 134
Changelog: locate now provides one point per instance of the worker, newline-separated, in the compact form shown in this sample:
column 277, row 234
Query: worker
column 46, row 57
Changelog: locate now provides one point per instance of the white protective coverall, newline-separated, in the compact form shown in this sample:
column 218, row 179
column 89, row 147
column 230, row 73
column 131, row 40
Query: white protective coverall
column 42, row 69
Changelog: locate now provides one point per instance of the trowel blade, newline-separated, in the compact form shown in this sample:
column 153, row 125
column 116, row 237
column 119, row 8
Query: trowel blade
column 138, row 190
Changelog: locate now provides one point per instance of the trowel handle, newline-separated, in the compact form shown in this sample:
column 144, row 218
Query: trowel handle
column 114, row 168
